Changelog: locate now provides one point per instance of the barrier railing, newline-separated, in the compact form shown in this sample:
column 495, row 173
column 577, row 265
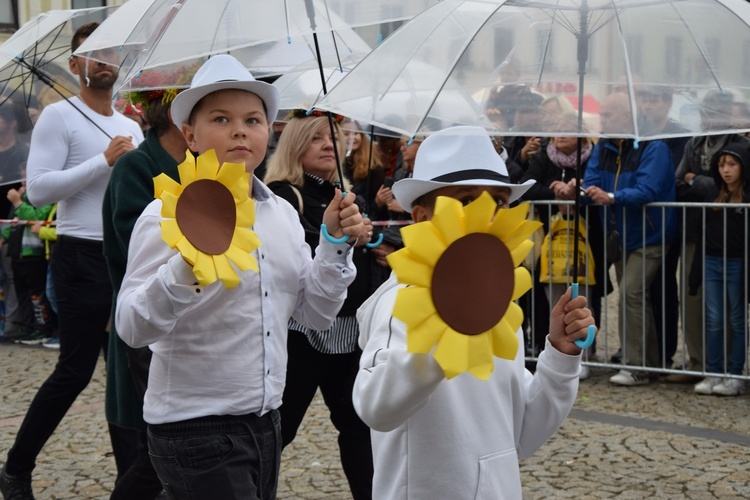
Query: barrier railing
column 654, row 317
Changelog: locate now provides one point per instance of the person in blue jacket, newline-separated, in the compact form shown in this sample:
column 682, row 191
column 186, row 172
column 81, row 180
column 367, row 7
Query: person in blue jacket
column 624, row 176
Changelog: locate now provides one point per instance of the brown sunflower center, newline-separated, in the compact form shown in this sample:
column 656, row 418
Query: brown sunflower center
column 472, row 283
column 207, row 216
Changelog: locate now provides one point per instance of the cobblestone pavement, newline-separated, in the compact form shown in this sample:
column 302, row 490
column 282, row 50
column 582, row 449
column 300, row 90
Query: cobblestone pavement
column 655, row 441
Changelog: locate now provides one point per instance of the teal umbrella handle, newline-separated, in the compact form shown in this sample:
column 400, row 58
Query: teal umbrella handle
column 591, row 334
column 375, row 243
column 335, row 241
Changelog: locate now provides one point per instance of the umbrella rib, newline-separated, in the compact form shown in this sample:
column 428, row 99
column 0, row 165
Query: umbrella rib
column 698, row 45
column 628, row 73
column 333, row 36
column 460, row 54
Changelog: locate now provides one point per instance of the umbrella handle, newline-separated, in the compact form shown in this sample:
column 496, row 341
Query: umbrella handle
column 335, row 241
column 591, row 334
column 375, row 243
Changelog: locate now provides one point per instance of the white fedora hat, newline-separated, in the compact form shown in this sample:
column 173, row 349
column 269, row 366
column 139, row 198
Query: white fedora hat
column 218, row 73
column 461, row 155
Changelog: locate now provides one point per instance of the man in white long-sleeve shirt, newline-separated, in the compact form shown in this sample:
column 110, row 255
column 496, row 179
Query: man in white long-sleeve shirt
column 219, row 355
column 434, row 438
column 70, row 159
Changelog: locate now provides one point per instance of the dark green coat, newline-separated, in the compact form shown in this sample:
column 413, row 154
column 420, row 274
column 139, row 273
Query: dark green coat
column 130, row 190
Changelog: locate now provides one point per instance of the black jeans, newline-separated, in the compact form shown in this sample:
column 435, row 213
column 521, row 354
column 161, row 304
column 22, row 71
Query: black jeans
column 84, row 297
column 227, row 457
column 308, row 369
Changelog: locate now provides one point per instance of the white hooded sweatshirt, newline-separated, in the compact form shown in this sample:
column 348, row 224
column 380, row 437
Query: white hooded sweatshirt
column 434, row 438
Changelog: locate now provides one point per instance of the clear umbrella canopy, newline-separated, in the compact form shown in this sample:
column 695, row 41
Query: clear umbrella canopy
column 523, row 63
column 34, row 60
column 149, row 35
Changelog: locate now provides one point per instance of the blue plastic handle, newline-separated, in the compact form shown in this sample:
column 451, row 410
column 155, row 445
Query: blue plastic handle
column 375, row 243
column 335, row 241
column 591, row 334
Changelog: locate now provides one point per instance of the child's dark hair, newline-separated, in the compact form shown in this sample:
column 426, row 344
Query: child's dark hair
column 81, row 34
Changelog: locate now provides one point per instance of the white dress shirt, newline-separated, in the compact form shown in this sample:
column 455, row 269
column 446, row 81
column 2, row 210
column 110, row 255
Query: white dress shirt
column 219, row 351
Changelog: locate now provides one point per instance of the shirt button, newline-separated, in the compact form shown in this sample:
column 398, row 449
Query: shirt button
column 268, row 372
column 197, row 290
column 268, row 334
column 339, row 252
column 265, row 293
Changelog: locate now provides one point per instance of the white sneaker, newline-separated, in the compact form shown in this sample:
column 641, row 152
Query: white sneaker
column 584, row 373
column 729, row 387
column 628, row 378
column 707, row 385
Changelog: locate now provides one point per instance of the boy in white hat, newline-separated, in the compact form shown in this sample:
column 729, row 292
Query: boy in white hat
column 219, row 355
column 459, row 438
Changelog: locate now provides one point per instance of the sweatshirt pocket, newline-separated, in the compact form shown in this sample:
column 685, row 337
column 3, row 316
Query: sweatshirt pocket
column 499, row 476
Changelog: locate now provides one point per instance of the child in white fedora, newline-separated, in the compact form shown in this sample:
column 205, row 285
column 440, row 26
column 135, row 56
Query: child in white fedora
column 459, row 438
column 219, row 355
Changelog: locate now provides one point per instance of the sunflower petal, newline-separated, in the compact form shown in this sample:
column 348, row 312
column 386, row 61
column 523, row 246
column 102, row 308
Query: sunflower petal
column 521, row 251
column 242, row 259
column 170, row 232
column 452, row 353
column 424, row 241
column 409, row 270
column 163, row 182
column 204, row 269
column 422, row 338
column 504, row 341
column 245, row 239
column 481, row 362
column 225, row 271
column 522, row 232
column 514, row 316
column 448, row 219
column 521, row 282
column 188, row 251
column 187, row 169
column 168, row 205
column 229, row 173
column 208, row 166
column 413, row 305
column 245, row 213
column 479, row 213
column 507, row 220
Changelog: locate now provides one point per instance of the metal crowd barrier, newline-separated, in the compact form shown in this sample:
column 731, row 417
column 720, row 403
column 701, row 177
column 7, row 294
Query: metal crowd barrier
column 679, row 312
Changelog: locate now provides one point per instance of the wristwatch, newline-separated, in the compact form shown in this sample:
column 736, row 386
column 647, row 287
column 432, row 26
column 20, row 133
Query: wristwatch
column 611, row 197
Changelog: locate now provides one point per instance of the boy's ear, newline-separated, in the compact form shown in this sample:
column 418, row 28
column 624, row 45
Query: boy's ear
column 187, row 132
column 420, row 213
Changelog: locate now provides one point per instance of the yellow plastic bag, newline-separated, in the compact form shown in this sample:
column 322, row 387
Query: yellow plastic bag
column 557, row 250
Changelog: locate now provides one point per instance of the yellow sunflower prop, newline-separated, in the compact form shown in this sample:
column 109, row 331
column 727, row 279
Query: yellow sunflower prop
column 463, row 270
column 207, row 217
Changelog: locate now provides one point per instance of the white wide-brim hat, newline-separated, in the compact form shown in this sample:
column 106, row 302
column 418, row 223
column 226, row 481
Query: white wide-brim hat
column 223, row 72
column 461, row 155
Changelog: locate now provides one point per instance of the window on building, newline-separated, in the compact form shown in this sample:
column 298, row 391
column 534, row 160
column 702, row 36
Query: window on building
column 672, row 56
column 87, row 4
column 8, row 16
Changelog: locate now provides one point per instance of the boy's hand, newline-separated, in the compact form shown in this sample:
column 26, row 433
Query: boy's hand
column 342, row 216
column 569, row 321
column 36, row 227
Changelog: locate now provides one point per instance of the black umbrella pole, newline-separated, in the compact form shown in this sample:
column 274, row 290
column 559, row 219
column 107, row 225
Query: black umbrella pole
column 328, row 113
column 47, row 80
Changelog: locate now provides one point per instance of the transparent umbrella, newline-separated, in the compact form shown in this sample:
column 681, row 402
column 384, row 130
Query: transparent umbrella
column 34, row 60
column 152, row 34
column 497, row 51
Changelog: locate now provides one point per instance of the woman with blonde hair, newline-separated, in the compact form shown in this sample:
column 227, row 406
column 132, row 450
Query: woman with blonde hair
column 303, row 171
column 361, row 166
